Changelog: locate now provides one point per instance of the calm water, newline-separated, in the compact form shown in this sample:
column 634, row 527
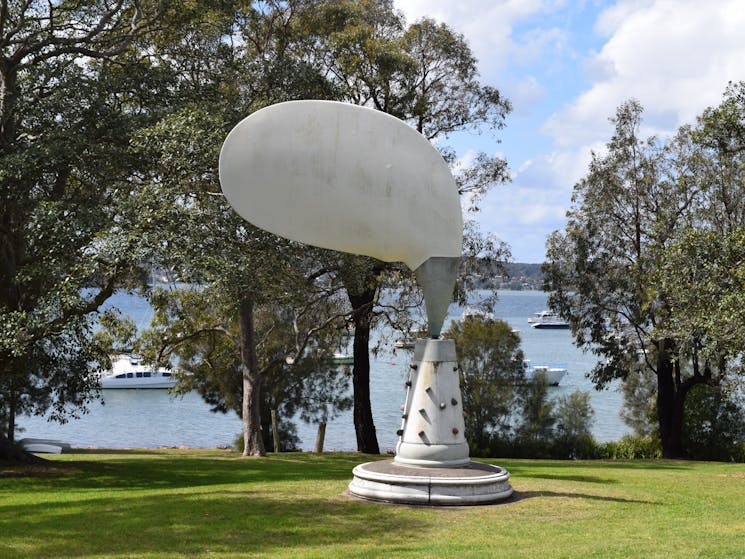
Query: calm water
column 152, row 418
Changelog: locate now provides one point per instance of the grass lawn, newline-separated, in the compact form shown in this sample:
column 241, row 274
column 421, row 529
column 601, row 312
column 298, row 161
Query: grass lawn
column 215, row 504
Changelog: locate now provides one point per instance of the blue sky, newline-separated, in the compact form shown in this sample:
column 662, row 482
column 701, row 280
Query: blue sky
column 566, row 66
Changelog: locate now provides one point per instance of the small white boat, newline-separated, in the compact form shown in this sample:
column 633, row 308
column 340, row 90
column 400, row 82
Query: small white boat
column 343, row 358
column 472, row 312
column 43, row 446
column 554, row 374
column 409, row 340
column 547, row 320
column 128, row 372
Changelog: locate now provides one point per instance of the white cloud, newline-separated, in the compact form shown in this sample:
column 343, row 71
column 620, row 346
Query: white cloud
column 674, row 57
column 524, row 94
column 522, row 215
column 487, row 26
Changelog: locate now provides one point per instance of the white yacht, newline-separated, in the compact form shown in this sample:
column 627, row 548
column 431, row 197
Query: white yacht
column 547, row 319
column 128, row 372
column 554, row 374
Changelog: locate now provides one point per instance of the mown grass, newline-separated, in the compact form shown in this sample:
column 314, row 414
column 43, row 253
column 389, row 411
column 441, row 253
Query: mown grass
column 215, row 504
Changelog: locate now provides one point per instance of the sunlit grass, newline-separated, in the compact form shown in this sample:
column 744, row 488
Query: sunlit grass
column 217, row 504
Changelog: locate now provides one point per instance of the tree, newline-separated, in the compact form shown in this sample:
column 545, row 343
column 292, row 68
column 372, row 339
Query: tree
column 574, row 418
column 66, row 187
column 639, row 400
column 491, row 369
column 714, row 427
column 423, row 74
column 295, row 345
column 537, row 420
column 574, row 415
column 244, row 271
column 648, row 256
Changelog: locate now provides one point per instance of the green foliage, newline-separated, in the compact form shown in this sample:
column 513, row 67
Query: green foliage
column 423, row 74
column 714, row 426
column 574, row 417
column 648, row 269
column 538, row 418
column 703, row 275
column 507, row 414
column 125, row 176
column 548, row 429
column 70, row 106
column 198, row 331
column 491, row 369
column 632, row 447
column 640, row 403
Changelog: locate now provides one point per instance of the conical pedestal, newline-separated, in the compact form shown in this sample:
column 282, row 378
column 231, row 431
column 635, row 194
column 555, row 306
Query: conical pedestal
column 432, row 465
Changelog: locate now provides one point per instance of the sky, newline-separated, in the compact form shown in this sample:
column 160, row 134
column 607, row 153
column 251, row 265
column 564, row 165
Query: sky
column 566, row 66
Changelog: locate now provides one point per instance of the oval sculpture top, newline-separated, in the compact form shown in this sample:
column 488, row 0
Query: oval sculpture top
column 343, row 177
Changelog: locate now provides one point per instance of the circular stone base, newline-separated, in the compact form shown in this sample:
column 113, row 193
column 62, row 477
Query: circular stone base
column 472, row 484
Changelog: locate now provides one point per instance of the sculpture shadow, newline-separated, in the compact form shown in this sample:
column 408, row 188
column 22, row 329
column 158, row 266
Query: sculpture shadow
column 524, row 495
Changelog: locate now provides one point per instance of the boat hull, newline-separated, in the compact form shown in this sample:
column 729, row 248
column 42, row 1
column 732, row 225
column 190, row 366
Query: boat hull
column 553, row 375
column 43, row 446
column 137, row 383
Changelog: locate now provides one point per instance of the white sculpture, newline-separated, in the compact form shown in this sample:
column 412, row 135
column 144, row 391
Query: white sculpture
column 343, row 177
column 351, row 179
column 357, row 180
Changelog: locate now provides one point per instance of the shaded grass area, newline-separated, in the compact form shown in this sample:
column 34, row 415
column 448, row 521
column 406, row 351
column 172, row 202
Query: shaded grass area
column 216, row 504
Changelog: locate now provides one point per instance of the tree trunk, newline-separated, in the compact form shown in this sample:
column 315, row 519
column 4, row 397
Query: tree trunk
column 275, row 430
column 320, row 437
column 11, row 431
column 11, row 453
column 670, row 405
column 253, row 445
column 364, row 426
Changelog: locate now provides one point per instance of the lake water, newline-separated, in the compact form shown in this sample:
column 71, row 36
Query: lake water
column 153, row 418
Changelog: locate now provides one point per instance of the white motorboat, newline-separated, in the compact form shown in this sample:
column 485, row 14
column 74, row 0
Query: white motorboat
column 128, row 371
column 554, row 374
column 547, row 320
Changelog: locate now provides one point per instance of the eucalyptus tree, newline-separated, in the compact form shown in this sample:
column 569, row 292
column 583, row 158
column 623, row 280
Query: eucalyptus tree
column 201, row 328
column 68, row 107
column 221, row 68
column 423, row 74
column 599, row 271
column 646, row 269
column 719, row 165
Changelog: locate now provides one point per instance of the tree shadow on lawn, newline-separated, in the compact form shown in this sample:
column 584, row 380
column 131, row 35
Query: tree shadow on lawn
column 128, row 470
column 233, row 522
column 556, row 468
